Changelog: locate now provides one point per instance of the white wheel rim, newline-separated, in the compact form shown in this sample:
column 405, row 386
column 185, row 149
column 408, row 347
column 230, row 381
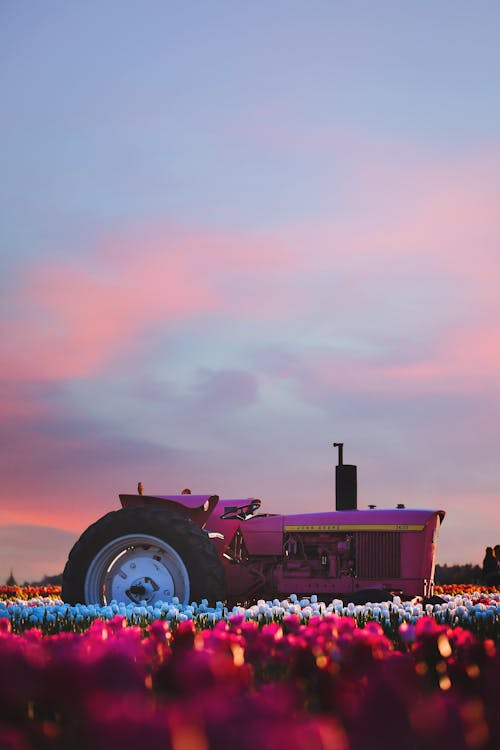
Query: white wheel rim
column 136, row 569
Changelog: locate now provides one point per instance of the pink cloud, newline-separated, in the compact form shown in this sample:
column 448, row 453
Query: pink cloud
column 463, row 361
column 63, row 469
column 70, row 319
column 425, row 228
column 442, row 211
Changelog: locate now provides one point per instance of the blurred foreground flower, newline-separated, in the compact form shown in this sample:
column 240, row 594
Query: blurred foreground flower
column 315, row 681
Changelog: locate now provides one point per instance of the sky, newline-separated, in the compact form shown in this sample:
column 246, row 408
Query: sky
column 233, row 233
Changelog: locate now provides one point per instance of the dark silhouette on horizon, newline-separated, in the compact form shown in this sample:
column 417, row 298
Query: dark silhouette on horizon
column 491, row 571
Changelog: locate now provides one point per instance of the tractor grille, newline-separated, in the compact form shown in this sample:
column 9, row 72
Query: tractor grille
column 378, row 554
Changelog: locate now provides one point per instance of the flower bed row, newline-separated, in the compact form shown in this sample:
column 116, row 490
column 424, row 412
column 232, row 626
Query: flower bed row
column 54, row 592
column 29, row 592
column 324, row 685
column 455, row 589
column 479, row 613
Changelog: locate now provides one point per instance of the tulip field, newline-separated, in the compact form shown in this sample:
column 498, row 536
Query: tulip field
column 291, row 674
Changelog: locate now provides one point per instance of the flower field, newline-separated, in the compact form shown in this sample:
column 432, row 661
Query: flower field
column 296, row 673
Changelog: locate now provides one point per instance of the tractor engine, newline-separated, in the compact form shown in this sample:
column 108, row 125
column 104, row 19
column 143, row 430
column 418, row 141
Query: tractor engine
column 317, row 555
column 306, row 562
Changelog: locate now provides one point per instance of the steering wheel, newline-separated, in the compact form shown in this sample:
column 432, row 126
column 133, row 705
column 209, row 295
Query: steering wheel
column 241, row 512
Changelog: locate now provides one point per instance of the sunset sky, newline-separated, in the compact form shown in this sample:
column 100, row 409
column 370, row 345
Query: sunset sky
column 233, row 233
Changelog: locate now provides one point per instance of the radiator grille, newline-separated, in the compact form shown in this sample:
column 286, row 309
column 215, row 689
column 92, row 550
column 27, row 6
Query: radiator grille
column 378, row 554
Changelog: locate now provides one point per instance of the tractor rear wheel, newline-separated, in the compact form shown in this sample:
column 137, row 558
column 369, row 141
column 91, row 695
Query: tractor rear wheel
column 143, row 555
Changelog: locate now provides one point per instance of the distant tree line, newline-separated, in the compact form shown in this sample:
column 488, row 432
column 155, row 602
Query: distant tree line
column 51, row 581
column 468, row 573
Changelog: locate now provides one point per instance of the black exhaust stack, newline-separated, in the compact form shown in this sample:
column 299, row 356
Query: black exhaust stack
column 346, row 483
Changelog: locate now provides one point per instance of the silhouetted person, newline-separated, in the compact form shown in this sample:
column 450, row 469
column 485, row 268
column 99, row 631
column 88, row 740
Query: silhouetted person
column 186, row 492
column 490, row 565
column 494, row 579
column 140, row 488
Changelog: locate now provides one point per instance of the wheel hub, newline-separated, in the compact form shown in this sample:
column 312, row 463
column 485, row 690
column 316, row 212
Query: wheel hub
column 142, row 590
column 140, row 577
column 139, row 569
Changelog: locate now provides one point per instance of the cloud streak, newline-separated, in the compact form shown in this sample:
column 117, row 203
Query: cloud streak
column 73, row 317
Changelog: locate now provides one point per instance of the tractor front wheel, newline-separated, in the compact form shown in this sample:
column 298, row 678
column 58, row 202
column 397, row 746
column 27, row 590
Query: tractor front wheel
column 143, row 555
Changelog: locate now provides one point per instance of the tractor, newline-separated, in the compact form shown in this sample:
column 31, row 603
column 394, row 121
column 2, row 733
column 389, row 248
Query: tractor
column 194, row 547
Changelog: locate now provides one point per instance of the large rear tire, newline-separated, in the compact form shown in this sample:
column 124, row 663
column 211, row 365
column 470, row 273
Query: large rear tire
column 143, row 554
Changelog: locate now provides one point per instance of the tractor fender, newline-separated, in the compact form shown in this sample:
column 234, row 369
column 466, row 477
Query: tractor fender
column 196, row 507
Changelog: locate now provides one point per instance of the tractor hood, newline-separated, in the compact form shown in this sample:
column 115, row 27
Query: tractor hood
column 383, row 519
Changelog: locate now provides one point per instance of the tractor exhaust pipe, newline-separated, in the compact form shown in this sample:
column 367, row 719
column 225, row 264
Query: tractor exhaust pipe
column 346, row 483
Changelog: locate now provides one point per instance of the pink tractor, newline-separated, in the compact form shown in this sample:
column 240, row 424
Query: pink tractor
column 199, row 546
